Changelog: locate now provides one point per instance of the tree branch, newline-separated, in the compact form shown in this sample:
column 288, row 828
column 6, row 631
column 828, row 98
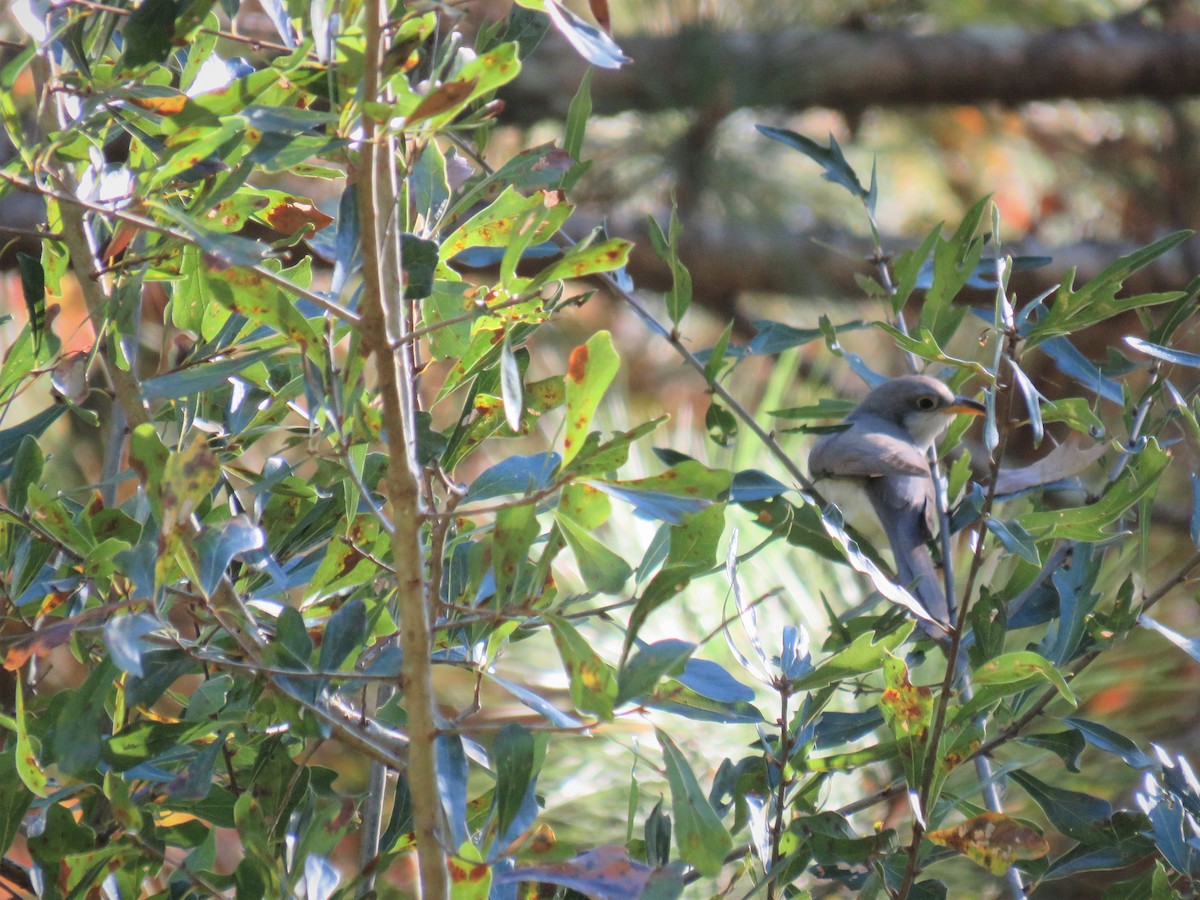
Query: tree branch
column 850, row 69
column 403, row 490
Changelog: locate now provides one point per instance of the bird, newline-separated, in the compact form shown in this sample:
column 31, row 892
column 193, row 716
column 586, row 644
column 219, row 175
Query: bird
column 879, row 462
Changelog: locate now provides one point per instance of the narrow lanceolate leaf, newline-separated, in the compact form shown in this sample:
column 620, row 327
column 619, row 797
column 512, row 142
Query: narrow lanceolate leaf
column 1167, row 354
column 577, row 117
column 33, row 286
column 589, row 41
column 605, row 256
column 701, row 838
column 513, row 758
column 993, row 840
column 28, row 767
column 590, row 371
column 666, row 246
column 833, row 163
column 512, row 387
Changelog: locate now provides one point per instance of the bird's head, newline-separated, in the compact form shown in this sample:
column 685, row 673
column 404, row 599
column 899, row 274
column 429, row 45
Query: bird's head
column 921, row 405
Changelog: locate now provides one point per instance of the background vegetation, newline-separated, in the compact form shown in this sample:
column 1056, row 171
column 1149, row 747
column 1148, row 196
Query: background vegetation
column 402, row 416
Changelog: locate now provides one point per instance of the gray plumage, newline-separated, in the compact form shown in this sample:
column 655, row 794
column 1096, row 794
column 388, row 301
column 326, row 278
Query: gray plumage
column 883, row 455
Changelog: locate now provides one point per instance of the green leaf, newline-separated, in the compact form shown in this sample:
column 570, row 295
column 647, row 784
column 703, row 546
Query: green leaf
column 927, row 347
column 694, row 543
column 602, row 569
column 716, row 358
column 246, row 292
column 640, row 674
column 581, row 261
column 664, row 586
column 1074, row 310
column 1012, row 673
column 33, row 288
column 420, row 257
column 593, row 686
column 28, row 767
column 699, row 835
column 61, row 838
column 12, row 438
column 515, row 531
column 832, row 161
column 578, row 114
column 28, row 463
column 859, row 658
column 666, row 246
column 150, row 32
column 15, row 799
column 345, row 632
column 907, row 267
column 1088, row 523
column 1067, row 745
column 496, row 225
column 1015, row 540
column 722, row 425
column 203, row 376
column 513, row 758
column 954, row 263
column 1076, row 815
column 590, row 370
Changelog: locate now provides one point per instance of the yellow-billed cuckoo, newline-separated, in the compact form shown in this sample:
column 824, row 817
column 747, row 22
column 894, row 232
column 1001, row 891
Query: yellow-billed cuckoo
column 880, row 460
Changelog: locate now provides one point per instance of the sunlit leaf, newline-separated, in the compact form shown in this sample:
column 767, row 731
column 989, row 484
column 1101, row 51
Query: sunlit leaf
column 593, row 686
column 862, row 656
column 590, row 370
column 993, row 840
column 701, row 838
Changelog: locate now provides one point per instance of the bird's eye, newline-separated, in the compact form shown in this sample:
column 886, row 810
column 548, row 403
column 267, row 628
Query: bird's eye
column 926, row 403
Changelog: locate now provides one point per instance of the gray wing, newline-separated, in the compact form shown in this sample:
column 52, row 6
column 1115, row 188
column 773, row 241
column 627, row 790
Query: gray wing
column 865, row 450
column 904, row 506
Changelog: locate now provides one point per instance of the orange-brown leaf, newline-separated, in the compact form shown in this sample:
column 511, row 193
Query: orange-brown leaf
column 993, row 840
column 600, row 12
column 444, row 98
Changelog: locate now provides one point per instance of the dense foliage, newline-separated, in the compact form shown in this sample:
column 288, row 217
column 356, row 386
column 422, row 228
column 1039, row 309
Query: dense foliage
column 309, row 505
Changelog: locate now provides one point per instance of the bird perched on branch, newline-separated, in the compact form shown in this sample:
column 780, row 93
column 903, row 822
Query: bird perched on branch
column 879, row 463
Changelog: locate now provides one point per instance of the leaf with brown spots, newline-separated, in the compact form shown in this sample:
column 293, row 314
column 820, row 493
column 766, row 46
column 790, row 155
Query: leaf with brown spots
column 607, row 256
column 291, row 214
column 166, row 105
column 515, row 531
column 246, row 292
column 590, row 370
column 470, row 876
column 495, row 225
column 593, row 685
column 452, row 95
column 28, row 767
column 908, row 710
column 993, row 840
column 188, row 478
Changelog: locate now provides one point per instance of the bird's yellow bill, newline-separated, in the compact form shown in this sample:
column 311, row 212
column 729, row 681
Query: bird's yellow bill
column 966, row 407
